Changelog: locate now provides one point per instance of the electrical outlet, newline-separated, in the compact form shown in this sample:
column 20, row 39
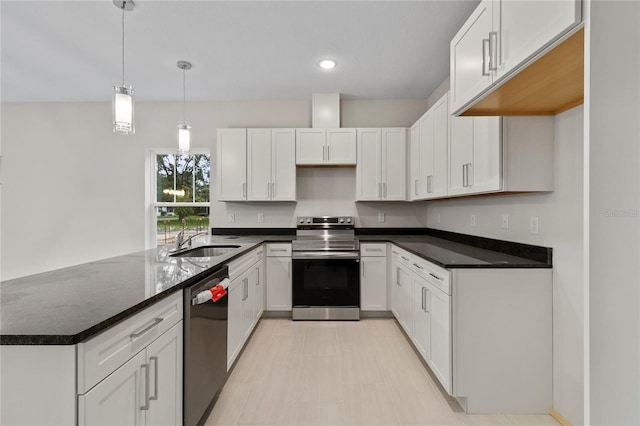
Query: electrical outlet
column 380, row 217
column 473, row 220
column 231, row 218
column 505, row 220
column 534, row 225
column 260, row 217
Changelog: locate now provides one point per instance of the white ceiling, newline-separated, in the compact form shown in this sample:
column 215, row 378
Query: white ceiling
column 240, row 50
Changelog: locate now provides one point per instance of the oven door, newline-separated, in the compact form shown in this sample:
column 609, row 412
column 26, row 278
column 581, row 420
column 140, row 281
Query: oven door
column 326, row 279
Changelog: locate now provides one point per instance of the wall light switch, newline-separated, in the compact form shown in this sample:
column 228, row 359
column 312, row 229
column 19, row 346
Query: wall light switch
column 260, row 217
column 505, row 220
column 534, row 225
column 473, row 220
column 380, row 217
column 231, row 218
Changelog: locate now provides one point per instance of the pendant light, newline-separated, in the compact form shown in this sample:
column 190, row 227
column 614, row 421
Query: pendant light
column 123, row 108
column 184, row 128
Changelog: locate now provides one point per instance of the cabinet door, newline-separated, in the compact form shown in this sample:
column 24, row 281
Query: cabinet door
column 395, row 289
column 373, row 283
column 485, row 172
column 231, row 147
column 405, row 306
column 283, row 165
column 249, row 303
column 421, row 318
column 311, row 146
column 439, row 307
column 527, row 27
column 118, row 399
column 470, row 73
column 258, row 164
column 278, row 283
column 368, row 170
column 164, row 357
column 426, row 152
column 235, row 324
column 394, row 160
column 341, row 146
column 259, row 290
column 414, row 155
column 460, row 153
column 440, row 148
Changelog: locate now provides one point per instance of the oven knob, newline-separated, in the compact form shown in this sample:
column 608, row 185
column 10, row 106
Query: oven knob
column 348, row 220
column 301, row 220
column 342, row 220
column 308, row 220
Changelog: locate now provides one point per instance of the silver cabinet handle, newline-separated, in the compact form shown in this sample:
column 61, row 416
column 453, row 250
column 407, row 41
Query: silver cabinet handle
column 140, row 333
column 289, row 275
column 423, row 298
column 435, row 276
column 415, row 188
column 258, row 271
column 328, row 152
column 398, row 276
column 464, row 175
column 485, row 49
column 404, row 258
column 493, row 51
column 362, row 269
column 244, row 189
column 418, row 266
column 394, row 252
column 268, row 190
column 278, row 249
column 324, row 157
column 426, row 300
column 469, row 181
column 384, row 189
column 379, row 190
column 273, row 189
column 155, row 378
column 146, row 387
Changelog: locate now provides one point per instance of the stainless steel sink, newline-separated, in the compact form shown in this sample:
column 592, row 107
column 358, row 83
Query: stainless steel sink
column 206, row 251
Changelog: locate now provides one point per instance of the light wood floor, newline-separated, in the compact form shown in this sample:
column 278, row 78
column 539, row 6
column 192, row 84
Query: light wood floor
column 338, row 373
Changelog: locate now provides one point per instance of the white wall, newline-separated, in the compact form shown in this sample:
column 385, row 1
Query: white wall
column 560, row 216
column 613, row 230
column 74, row 192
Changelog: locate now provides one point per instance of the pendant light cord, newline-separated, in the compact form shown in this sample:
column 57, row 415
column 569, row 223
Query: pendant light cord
column 184, row 95
column 123, row 6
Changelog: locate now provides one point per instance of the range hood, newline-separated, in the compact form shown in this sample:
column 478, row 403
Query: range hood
column 325, row 110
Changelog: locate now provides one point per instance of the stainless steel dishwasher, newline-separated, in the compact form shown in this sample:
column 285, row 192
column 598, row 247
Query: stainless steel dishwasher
column 205, row 349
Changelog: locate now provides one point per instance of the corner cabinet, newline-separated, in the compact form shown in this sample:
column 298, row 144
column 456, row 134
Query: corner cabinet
column 318, row 146
column 501, row 38
column 428, row 150
column 381, row 169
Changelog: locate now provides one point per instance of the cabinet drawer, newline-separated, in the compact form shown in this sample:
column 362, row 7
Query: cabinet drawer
column 373, row 249
column 401, row 256
column 437, row 276
column 103, row 354
column 279, row 250
column 238, row 266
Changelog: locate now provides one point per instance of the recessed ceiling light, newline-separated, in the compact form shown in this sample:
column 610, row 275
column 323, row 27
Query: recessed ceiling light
column 328, row 64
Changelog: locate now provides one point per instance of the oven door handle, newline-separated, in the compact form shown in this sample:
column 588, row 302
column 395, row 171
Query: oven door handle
column 325, row 255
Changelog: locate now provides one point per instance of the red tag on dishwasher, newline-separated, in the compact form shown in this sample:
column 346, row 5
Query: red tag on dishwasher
column 217, row 292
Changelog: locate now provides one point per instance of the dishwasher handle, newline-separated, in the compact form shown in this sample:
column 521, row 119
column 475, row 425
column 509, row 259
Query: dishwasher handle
column 214, row 293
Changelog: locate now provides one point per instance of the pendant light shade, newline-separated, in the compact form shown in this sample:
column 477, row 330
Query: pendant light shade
column 184, row 128
column 123, row 106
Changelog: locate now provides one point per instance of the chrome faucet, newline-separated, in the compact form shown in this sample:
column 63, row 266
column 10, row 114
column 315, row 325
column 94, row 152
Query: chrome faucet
column 181, row 241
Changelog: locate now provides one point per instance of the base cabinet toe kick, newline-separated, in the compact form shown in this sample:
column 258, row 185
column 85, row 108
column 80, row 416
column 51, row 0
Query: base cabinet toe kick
column 485, row 333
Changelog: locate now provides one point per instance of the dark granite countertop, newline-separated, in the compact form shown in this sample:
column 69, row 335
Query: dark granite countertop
column 69, row 305
column 451, row 254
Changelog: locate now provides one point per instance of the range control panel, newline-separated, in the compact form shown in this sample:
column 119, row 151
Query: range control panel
column 325, row 220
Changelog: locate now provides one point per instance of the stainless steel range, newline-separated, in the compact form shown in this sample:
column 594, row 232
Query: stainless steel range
column 326, row 269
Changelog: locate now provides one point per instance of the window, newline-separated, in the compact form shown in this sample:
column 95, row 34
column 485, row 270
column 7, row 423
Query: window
column 181, row 194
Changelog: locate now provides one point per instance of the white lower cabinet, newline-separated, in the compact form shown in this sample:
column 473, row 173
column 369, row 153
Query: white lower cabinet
column 422, row 319
column 278, row 277
column 146, row 390
column 373, row 277
column 401, row 295
column 245, row 301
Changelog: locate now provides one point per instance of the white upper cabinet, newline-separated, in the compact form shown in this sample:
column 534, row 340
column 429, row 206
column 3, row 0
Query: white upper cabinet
column 283, row 165
column 256, row 165
column 326, row 146
column 381, row 171
column 526, row 27
column 429, row 147
column 470, row 56
column 231, row 173
column 500, row 154
column 259, row 164
column 502, row 37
